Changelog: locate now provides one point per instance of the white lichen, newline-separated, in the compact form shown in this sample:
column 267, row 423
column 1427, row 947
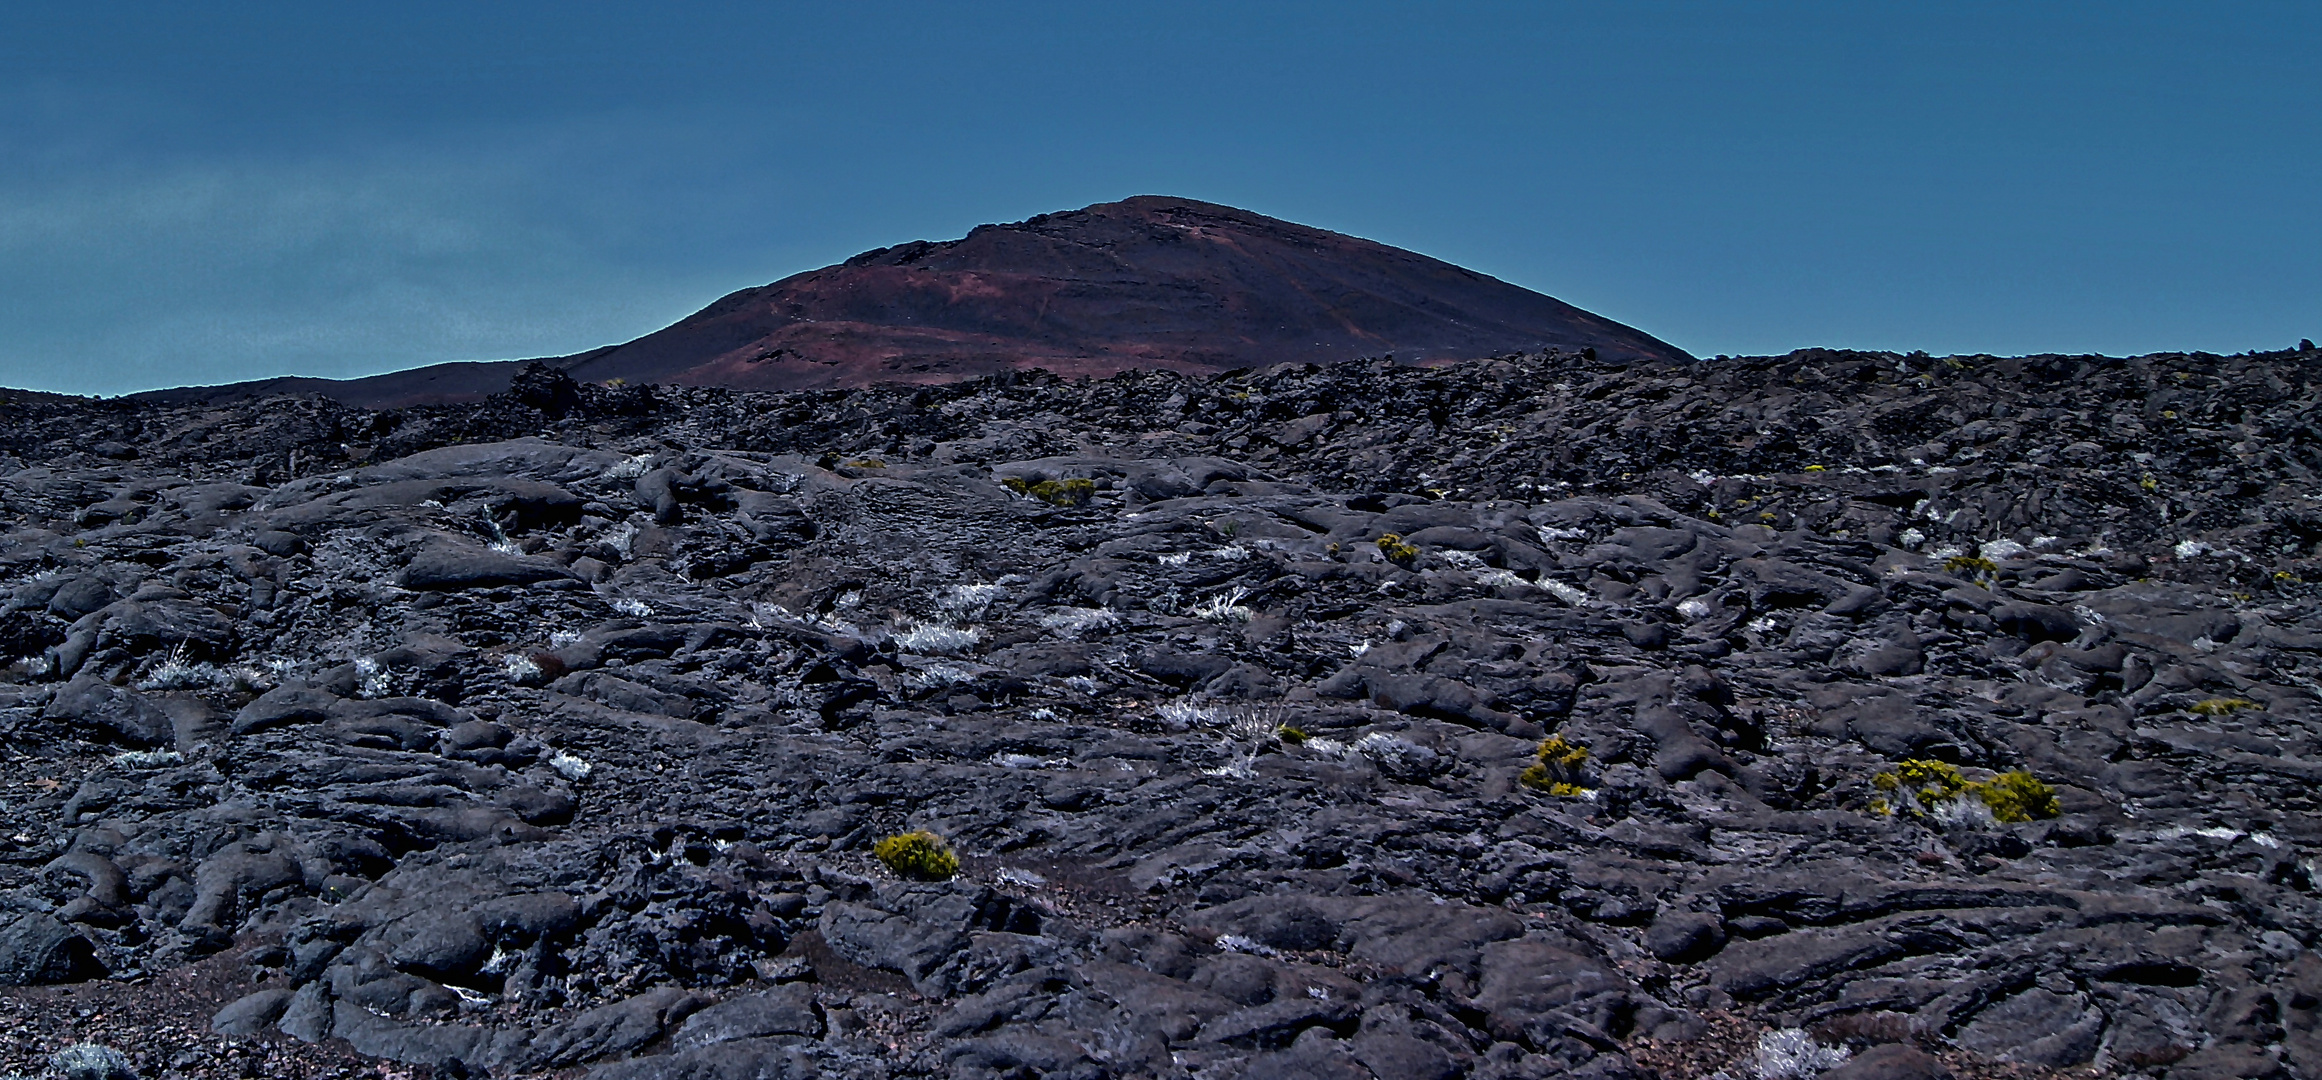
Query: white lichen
column 938, row 674
column 1457, row 559
column 1963, row 813
column 969, row 601
column 937, row 639
column 1182, row 714
column 623, row 539
column 1568, row 593
column 148, row 759
column 373, row 679
column 1394, row 755
column 1240, row 944
column 570, row 767
column 1023, row 761
column 628, row 468
column 1075, row 621
column 1792, row 1054
column 2212, row 832
column 90, row 1061
column 1474, row 566
column 1997, row 550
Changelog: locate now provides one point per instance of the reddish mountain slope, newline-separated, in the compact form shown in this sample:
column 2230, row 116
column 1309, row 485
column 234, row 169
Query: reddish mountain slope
column 1147, row 282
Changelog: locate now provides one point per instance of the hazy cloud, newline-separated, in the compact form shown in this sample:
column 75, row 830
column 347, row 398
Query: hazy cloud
column 128, row 277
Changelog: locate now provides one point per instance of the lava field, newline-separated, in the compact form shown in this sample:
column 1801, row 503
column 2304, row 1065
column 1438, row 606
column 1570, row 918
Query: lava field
column 1861, row 715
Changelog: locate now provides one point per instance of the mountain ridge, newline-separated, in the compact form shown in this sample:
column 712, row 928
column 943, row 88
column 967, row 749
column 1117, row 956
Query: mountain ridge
column 1149, row 282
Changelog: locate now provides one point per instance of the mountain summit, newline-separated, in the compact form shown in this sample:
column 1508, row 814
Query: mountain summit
column 1147, row 282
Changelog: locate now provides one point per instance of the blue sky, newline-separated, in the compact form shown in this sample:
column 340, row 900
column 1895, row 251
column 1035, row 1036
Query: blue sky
column 194, row 194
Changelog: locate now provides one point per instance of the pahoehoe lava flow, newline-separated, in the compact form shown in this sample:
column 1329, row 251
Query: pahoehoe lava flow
column 1542, row 715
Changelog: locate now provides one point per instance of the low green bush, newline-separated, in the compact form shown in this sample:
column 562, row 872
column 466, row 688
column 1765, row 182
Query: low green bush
column 2018, row 796
column 1970, row 564
column 1072, row 492
column 2222, row 706
column 1926, row 788
column 921, row 856
column 1397, row 550
column 1561, row 768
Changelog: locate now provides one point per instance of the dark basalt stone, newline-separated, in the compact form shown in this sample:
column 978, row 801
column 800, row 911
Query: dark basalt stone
column 118, row 713
column 36, row 950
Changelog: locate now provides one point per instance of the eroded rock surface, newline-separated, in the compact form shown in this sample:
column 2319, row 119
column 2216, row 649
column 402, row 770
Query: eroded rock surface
column 535, row 742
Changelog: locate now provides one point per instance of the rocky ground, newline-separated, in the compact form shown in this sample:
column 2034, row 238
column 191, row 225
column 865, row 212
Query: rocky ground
column 550, row 736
